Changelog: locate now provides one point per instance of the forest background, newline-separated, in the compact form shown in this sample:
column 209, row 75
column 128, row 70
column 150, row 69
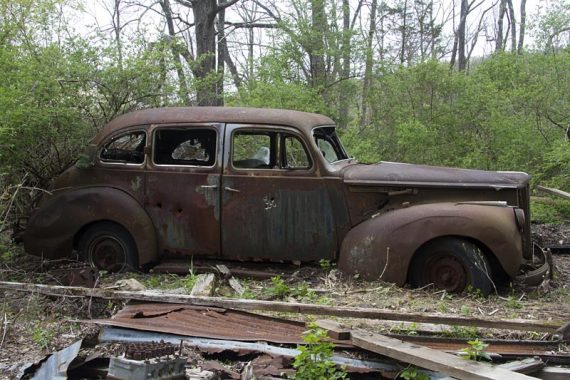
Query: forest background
column 468, row 83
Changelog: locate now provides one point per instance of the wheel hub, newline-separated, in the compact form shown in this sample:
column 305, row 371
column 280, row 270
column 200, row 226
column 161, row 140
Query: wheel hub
column 446, row 272
column 107, row 253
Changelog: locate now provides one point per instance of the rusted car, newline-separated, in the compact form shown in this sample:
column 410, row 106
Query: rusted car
column 277, row 185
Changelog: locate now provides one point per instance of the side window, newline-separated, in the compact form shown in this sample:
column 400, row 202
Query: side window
column 295, row 154
column 268, row 150
column 128, row 148
column 327, row 150
column 253, row 150
column 188, row 146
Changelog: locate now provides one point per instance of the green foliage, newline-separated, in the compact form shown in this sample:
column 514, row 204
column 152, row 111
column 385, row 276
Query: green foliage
column 279, row 288
column 461, row 332
column 550, row 210
column 412, row 373
column 42, row 337
column 325, row 264
column 506, row 114
column 314, row 360
column 513, row 303
column 476, row 351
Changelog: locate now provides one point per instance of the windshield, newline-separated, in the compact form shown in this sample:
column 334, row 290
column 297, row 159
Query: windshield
column 329, row 144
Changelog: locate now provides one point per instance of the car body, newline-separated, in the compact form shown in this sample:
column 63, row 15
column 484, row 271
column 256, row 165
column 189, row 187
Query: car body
column 277, row 185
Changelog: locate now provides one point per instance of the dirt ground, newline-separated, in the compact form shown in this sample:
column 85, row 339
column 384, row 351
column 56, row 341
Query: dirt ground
column 32, row 325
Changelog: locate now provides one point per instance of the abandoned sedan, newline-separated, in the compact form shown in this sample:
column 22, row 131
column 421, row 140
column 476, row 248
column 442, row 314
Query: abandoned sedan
column 277, row 185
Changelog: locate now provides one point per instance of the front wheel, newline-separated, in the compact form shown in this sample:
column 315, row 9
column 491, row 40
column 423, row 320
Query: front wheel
column 108, row 246
column 451, row 264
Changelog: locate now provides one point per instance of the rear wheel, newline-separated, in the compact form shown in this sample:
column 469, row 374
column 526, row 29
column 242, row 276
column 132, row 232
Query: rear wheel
column 452, row 264
column 108, row 246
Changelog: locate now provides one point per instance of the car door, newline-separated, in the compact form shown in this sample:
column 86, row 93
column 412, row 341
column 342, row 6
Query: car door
column 182, row 191
column 274, row 204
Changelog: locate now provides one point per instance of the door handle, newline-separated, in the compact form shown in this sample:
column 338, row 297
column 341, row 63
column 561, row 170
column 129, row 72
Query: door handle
column 231, row 189
column 209, row 186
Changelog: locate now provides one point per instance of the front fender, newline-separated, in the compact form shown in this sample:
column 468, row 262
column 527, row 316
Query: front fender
column 383, row 247
column 51, row 229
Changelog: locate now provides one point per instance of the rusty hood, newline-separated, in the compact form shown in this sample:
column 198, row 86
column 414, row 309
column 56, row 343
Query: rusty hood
column 394, row 173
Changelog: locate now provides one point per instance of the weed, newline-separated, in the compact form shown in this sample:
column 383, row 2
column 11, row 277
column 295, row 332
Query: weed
column 325, row 264
column 302, row 291
column 279, row 288
column 153, row 282
column 412, row 373
column 411, row 329
column 314, row 360
column 442, row 307
column 461, row 332
column 513, row 303
column 323, row 300
column 476, row 351
column 42, row 337
column 474, row 292
column 465, row 310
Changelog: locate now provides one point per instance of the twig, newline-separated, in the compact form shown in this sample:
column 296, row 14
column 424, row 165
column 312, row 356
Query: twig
column 387, row 261
column 5, row 330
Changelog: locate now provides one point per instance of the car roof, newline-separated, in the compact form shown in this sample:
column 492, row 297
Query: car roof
column 302, row 120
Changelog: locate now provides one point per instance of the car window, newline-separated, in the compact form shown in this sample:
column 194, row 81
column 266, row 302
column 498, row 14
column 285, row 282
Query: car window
column 128, row 148
column 253, row 150
column 295, row 154
column 329, row 144
column 188, row 146
column 268, row 150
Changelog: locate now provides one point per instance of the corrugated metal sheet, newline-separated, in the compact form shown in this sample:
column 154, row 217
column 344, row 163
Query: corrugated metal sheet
column 208, row 322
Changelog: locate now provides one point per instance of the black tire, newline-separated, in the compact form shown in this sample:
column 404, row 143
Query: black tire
column 108, row 246
column 452, row 264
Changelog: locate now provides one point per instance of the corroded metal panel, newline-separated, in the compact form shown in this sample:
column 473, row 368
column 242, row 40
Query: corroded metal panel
column 207, row 322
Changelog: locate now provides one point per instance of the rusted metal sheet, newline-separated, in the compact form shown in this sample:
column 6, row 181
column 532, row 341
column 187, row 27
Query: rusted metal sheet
column 207, row 322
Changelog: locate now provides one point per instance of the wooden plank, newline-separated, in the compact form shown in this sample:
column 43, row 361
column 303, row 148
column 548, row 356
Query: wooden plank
column 526, row 366
column 431, row 359
column 287, row 307
column 556, row 192
column 553, row 373
column 334, row 329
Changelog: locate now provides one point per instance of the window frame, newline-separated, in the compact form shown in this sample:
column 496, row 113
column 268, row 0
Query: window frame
column 116, row 136
column 184, row 128
column 280, row 134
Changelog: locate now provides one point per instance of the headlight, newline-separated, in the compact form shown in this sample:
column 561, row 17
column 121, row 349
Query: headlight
column 520, row 218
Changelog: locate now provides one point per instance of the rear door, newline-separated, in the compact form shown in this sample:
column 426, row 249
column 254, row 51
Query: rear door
column 274, row 204
column 182, row 191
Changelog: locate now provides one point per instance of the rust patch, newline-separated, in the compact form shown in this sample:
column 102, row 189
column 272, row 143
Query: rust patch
column 208, row 323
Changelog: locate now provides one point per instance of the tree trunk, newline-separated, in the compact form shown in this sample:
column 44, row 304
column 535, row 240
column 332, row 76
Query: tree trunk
column 345, row 72
column 403, row 32
column 513, row 26
column 182, row 86
column 316, row 53
column 221, row 58
column 117, row 29
column 522, row 27
column 364, row 117
column 204, row 12
column 502, row 10
column 461, row 59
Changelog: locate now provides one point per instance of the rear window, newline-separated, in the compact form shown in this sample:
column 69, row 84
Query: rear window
column 126, row 149
column 193, row 147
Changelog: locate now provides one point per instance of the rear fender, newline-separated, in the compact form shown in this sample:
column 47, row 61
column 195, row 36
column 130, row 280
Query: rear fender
column 383, row 247
column 51, row 229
